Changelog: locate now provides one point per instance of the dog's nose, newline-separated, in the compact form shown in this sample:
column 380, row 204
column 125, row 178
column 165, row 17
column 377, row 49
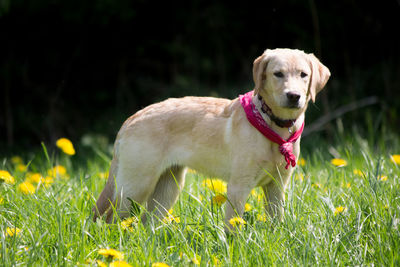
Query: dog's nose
column 293, row 97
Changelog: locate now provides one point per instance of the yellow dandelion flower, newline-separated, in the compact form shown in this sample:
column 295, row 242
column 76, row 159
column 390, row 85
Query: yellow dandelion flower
column 57, row 171
column 237, row 222
column 301, row 162
column 120, row 264
column 21, row 168
column 66, row 146
column 382, row 178
column 12, row 231
column 216, row 185
column 215, row 261
column 316, row 185
column 219, row 199
column 261, row 217
column 338, row 162
column 176, row 219
column 247, row 207
column 16, row 160
column 103, row 175
column 111, row 253
column 94, row 262
column 196, row 260
column 340, row 210
column 260, row 197
column 6, row 177
column 299, row 177
column 1, row 200
column 26, row 188
column 395, row 159
column 34, row 178
column 358, row 172
column 254, row 192
column 345, row 185
column 48, row 181
column 159, row 264
column 171, row 218
column 129, row 223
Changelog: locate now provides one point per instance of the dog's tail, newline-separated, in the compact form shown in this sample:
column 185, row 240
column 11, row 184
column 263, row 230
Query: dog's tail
column 106, row 201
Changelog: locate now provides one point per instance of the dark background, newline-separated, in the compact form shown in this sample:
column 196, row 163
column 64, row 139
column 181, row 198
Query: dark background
column 69, row 68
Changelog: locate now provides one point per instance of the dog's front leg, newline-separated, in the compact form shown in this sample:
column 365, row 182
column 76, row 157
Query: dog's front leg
column 236, row 199
column 275, row 195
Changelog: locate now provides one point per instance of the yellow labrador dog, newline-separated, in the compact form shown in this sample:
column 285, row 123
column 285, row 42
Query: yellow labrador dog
column 218, row 137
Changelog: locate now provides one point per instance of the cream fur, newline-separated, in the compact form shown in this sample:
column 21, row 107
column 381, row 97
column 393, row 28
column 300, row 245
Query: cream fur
column 212, row 136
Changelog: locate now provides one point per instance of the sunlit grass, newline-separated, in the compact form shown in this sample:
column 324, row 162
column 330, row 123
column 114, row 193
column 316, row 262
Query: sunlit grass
column 335, row 214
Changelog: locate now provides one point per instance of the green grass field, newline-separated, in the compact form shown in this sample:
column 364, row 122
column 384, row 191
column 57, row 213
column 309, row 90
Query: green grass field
column 334, row 215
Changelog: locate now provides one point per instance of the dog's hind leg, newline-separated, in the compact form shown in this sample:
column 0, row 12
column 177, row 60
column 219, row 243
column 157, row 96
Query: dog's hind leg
column 107, row 196
column 166, row 192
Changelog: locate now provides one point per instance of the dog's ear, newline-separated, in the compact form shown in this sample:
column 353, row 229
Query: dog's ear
column 259, row 76
column 319, row 76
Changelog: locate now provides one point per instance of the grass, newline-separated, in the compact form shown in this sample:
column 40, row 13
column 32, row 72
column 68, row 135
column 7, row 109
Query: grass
column 347, row 215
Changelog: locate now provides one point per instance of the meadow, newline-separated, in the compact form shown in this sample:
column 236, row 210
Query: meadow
column 342, row 208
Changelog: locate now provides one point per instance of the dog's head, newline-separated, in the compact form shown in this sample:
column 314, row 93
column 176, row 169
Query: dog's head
column 287, row 79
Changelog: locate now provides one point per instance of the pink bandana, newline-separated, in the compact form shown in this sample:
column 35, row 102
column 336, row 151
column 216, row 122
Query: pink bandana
column 255, row 118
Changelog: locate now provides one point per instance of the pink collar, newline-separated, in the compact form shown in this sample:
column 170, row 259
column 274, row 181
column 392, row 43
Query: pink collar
column 255, row 118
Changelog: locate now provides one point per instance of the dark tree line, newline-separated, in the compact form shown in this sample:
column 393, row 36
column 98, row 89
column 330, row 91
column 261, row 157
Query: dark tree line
column 71, row 67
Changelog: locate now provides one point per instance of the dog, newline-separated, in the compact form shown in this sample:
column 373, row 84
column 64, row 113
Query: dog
column 216, row 137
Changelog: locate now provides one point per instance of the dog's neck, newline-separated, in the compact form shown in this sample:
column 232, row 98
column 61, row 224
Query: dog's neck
column 282, row 127
column 278, row 121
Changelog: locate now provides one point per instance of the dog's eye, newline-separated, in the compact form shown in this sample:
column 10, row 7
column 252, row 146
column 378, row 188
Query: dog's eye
column 303, row 74
column 278, row 74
